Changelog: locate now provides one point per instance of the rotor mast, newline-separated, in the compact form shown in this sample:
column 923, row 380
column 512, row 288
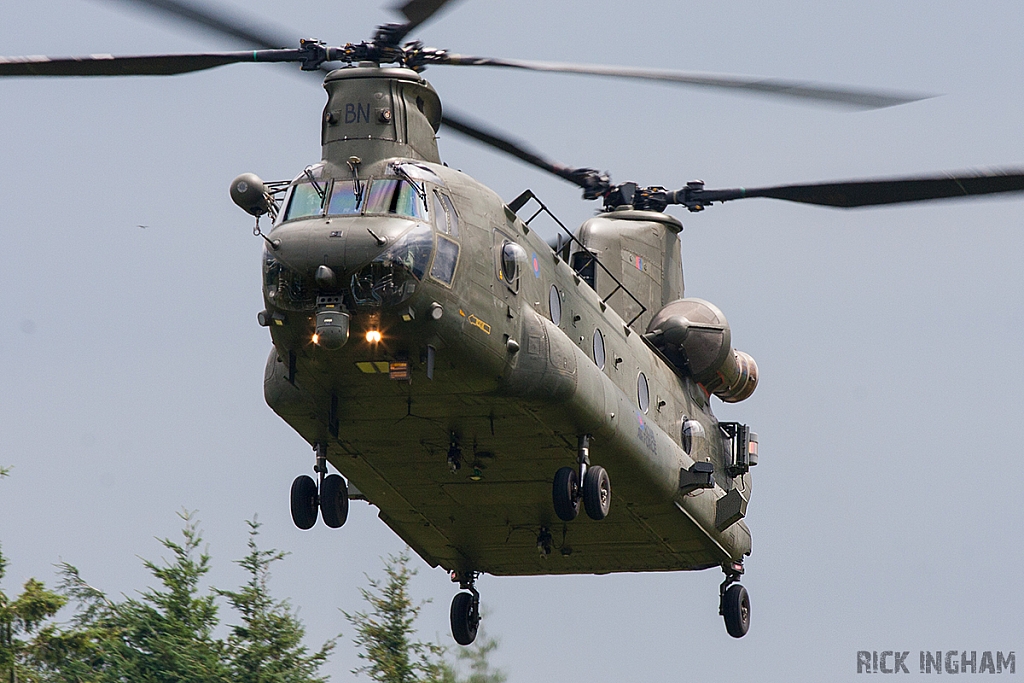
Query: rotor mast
column 375, row 113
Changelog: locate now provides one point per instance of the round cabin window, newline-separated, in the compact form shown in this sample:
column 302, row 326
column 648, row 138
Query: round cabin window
column 692, row 433
column 643, row 393
column 599, row 349
column 511, row 255
column 555, row 305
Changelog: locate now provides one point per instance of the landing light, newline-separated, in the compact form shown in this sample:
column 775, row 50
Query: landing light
column 373, row 337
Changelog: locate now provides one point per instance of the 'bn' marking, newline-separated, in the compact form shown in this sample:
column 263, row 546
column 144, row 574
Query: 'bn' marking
column 357, row 113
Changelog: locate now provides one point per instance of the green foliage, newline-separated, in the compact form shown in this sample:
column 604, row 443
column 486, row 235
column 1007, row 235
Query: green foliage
column 84, row 648
column 386, row 635
column 163, row 636
column 166, row 634
column 23, row 623
column 22, row 626
column 267, row 646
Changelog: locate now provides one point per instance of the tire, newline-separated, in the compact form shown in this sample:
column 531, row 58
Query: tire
column 565, row 494
column 465, row 619
column 597, row 492
column 334, row 501
column 304, row 502
column 736, row 610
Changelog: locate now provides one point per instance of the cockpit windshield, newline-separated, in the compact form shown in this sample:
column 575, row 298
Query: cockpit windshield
column 398, row 197
column 347, row 198
column 303, row 200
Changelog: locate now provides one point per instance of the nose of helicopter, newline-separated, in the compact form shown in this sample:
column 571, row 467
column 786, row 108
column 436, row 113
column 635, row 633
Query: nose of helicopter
column 343, row 245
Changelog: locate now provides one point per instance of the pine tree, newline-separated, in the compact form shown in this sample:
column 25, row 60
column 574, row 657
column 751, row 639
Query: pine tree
column 167, row 635
column 82, row 650
column 386, row 632
column 267, row 646
column 22, row 620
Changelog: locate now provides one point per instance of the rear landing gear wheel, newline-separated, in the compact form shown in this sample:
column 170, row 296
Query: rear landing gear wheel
column 597, row 492
column 736, row 610
column 565, row 494
column 333, row 501
column 465, row 615
column 304, row 502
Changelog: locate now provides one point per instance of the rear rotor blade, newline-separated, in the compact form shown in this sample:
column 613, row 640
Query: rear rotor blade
column 851, row 97
column 898, row 190
column 577, row 176
column 855, row 193
column 141, row 65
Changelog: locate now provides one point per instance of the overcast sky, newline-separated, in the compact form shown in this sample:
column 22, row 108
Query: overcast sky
column 885, row 513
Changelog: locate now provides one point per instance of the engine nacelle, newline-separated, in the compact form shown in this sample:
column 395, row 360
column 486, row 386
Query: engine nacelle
column 695, row 336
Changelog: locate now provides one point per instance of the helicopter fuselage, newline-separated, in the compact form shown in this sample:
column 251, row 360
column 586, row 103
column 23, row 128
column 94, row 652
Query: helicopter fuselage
column 469, row 373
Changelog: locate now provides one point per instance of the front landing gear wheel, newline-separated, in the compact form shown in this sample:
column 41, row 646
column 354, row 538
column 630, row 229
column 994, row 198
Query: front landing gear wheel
column 736, row 610
column 597, row 492
column 333, row 501
column 304, row 502
column 465, row 616
column 565, row 494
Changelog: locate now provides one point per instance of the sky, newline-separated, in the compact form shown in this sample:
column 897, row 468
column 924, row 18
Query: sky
column 885, row 509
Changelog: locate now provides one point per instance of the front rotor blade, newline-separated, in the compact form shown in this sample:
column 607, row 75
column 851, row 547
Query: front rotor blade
column 418, row 11
column 898, row 190
column 141, row 65
column 851, row 97
column 218, row 21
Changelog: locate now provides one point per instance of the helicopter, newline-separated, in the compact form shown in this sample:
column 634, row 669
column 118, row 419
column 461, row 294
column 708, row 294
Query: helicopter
column 364, row 316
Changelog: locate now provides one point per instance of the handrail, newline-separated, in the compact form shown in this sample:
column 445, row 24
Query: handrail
column 523, row 199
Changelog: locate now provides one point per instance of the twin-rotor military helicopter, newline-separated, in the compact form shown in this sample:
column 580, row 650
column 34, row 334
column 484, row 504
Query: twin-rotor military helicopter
column 474, row 382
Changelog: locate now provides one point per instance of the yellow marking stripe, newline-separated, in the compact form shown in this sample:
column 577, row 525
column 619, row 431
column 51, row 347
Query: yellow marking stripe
column 477, row 322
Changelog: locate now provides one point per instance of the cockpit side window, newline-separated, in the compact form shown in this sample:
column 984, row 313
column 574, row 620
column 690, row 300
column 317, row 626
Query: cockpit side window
column 453, row 218
column 445, row 259
column 412, row 250
column 440, row 215
column 392, row 276
column 444, row 215
column 399, row 197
